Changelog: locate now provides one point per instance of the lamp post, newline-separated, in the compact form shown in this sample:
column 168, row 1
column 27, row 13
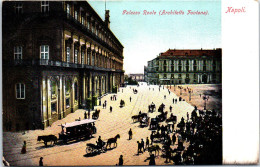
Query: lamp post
column 205, row 98
column 189, row 90
column 181, row 90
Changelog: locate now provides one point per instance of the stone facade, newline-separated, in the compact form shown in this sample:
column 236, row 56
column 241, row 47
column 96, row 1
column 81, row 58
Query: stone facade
column 185, row 67
column 56, row 55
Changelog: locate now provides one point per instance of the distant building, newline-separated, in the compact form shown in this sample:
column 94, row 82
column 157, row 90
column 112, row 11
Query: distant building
column 176, row 66
column 137, row 77
column 56, row 56
column 145, row 73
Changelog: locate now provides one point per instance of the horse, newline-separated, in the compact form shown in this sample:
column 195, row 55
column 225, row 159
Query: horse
column 154, row 148
column 48, row 138
column 113, row 140
column 171, row 119
column 135, row 118
column 95, row 115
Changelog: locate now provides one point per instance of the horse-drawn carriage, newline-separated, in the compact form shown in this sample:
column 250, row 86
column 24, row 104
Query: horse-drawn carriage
column 101, row 146
column 162, row 117
column 161, row 107
column 95, row 114
column 122, row 103
column 151, row 108
column 144, row 121
column 135, row 91
column 77, row 130
column 139, row 117
column 154, row 123
column 95, row 148
column 172, row 118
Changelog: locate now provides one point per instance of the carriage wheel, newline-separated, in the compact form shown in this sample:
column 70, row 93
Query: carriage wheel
column 89, row 150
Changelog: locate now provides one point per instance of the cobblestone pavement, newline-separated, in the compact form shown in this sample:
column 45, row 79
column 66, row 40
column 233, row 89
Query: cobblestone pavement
column 108, row 125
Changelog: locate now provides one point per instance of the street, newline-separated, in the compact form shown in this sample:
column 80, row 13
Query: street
column 108, row 125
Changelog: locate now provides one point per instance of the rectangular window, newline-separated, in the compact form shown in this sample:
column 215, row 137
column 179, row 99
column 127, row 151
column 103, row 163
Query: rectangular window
column 18, row 52
column 18, row 8
column 20, row 91
column 179, row 76
column 172, row 76
column 82, row 20
column 93, row 59
column 88, row 61
column 76, row 56
column 45, row 6
column 44, row 51
column 82, row 57
column 187, row 76
column 68, row 9
column 88, row 24
column 164, row 75
column 68, row 54
column 76, row 15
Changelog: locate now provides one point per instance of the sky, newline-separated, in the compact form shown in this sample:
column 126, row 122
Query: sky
column 146, row 36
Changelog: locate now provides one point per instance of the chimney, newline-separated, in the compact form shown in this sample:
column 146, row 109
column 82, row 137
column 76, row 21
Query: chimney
column 107, row 21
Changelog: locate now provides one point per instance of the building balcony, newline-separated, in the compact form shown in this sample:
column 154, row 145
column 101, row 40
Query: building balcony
column 50, row 63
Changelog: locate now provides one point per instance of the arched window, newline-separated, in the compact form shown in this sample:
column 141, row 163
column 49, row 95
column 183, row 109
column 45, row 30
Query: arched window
column 54, row 95
column 76, row 91
column 67, row 93
column 76, row 56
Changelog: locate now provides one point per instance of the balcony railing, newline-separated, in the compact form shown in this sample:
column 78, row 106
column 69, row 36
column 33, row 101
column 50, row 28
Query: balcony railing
column 46, row 62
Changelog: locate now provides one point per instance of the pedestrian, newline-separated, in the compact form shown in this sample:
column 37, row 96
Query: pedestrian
column 88, row 113
column 111, row 98
column 187, row 116
column 164, row 96
column 130, row 98
column 173, row 100
column 111, row 108
column 24, row 148
column 151, row 137
column 85, row 115
column 130, row 133
column 41, row 162
column 147, row 143
column 152, row 160
column 173, row 139
column 200, row 95
column 139, row 147
column 170, row 108
column 142, row 144
column 121, row 161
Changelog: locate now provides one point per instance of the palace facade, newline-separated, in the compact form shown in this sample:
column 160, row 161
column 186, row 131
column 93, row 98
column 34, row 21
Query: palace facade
column 57, row 57
column 137, row 77
column 176, row 66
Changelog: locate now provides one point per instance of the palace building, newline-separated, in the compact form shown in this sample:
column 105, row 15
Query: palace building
column 137, row 77
column 58, row 56
column 176, row 66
